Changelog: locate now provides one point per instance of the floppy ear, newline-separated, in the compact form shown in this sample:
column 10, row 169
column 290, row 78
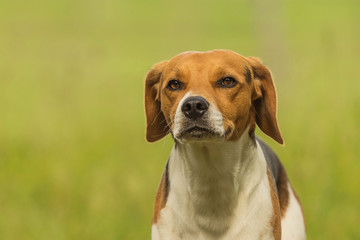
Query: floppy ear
column 156, row 125
column 264, row 100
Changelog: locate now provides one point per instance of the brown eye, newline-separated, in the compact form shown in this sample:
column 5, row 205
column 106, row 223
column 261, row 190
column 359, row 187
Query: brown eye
column 174, row 85
column 227, row 82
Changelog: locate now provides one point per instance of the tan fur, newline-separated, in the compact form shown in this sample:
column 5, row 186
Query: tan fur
column 265, row 104
column 283, row 191
column 155, row 121
column 161, row 196
column 276, row 219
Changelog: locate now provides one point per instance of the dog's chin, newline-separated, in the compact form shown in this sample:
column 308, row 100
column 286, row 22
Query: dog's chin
column 198, row 134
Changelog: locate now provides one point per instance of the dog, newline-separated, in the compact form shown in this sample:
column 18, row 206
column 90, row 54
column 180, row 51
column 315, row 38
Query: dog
column 220, row 181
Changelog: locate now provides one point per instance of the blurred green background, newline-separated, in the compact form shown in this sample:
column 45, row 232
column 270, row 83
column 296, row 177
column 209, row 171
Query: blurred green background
column 74, row 163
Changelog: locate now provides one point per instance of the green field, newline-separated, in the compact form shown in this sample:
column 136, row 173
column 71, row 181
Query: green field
column 74, row 163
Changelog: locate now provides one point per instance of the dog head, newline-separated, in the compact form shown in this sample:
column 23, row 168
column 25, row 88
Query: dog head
column 210, row 96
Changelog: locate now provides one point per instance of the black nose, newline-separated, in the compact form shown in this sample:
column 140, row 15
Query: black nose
column 194, row 107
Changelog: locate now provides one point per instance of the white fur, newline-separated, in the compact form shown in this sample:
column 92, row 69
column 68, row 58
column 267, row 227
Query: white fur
column 218, row 190
column 292, row 225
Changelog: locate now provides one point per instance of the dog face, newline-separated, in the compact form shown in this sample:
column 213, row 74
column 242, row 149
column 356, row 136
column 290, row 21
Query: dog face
column 210, row 96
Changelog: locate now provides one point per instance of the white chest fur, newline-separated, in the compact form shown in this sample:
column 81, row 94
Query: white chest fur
column 217, row 191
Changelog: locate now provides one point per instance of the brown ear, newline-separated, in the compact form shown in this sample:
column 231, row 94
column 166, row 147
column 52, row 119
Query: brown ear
column 156, row 125
column 264, row 100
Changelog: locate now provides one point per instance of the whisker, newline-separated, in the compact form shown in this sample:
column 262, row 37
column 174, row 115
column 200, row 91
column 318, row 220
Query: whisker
column 157, row 115
column 162, row 121
column 257, row 114
column 168, row 125
column 232, row 127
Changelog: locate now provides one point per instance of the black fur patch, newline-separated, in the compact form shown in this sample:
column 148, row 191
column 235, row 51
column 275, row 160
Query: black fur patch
column 272, row 161
column 167, row 182
column 248, row 75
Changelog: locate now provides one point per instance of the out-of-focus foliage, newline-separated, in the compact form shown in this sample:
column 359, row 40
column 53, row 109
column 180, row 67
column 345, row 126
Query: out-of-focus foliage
column 74, row 163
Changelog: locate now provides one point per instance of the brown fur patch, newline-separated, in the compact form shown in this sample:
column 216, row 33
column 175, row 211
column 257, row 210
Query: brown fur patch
column 156, row 126
column 162, row 194
column 265, row 103
column 283, row 190
column 276, row 218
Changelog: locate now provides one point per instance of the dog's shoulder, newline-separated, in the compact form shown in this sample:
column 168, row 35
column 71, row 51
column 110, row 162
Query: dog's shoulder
column 272, row 159
column 278, row 173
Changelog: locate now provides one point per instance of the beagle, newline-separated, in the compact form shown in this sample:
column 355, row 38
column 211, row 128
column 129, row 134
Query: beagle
column 221, row 181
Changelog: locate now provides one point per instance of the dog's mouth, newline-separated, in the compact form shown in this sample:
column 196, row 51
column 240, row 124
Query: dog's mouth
column 197, row 132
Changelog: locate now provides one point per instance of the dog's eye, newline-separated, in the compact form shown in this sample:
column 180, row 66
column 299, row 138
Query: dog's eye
column 227, row 82
column 174, row 85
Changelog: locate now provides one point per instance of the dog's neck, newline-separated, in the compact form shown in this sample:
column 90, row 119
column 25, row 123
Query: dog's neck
column 212, row 177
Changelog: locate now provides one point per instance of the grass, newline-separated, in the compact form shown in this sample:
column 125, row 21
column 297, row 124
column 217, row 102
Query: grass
column 74, row 163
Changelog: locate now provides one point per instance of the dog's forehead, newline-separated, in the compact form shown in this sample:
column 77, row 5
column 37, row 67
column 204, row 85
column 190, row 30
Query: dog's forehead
column 198, row 61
